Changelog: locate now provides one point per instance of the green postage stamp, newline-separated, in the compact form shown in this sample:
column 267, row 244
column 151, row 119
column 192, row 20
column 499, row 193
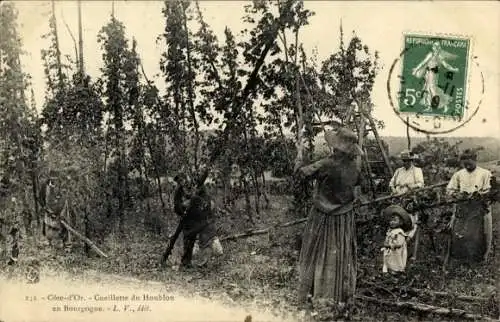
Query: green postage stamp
column 434, row 76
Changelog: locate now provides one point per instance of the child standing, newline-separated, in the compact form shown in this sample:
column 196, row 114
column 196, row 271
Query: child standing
column 395, row 249
column 15, row 236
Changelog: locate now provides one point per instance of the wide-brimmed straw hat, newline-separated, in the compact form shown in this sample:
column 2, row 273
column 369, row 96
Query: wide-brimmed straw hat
column 406, row 155
column 344, row 140
column 392, row 210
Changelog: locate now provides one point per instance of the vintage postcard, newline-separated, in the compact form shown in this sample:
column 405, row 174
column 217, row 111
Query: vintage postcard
column 249, row 161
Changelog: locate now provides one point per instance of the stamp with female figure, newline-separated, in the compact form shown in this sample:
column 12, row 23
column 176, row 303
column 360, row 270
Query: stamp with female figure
column 434, row 75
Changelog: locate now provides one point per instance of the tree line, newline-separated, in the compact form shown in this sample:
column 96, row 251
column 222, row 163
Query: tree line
column 119, row 136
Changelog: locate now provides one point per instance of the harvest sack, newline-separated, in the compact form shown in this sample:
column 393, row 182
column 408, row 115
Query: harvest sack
column 468, row 239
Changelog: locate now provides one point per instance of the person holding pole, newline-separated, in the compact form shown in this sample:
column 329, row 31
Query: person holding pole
column 327, row 260
column 198, row 223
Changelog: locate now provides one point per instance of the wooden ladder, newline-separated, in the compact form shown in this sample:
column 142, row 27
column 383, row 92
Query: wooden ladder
column 366, row 116
column 363, row 128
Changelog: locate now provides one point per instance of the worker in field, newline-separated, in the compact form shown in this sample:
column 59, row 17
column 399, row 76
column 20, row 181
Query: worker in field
column 198, row 225
column 471, row 222
column 408, row 177
column 327, row 261
column 15, row 236
column 52, row 200
column 182, row 194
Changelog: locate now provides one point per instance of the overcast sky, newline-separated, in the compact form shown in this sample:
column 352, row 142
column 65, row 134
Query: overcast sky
column 380, row 25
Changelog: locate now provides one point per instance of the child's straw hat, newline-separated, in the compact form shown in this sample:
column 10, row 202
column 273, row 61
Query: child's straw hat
column 392, row 210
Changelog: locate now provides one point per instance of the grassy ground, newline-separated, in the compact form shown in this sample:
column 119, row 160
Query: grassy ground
column 261, row 270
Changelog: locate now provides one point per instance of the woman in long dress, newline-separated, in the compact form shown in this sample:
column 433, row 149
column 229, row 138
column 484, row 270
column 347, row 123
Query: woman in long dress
column 428, row 69
column 327, row 261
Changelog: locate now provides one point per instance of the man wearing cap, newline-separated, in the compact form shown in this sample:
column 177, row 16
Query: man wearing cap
column 472, row 233
column 327, row 261
column 407, row 177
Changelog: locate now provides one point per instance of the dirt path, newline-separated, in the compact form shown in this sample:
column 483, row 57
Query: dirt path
column 104, row 297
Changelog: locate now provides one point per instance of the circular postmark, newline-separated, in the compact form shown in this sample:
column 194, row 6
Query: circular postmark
column 440, row 86
column 32, row 274
column 32, row 271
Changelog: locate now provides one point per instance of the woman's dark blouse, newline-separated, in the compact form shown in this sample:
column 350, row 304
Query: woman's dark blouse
column 336, row 181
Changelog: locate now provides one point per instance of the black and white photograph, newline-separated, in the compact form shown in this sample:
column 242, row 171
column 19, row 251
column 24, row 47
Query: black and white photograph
column 249, row 161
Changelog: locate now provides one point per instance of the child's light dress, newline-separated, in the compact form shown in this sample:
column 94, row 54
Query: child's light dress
column 396, row 254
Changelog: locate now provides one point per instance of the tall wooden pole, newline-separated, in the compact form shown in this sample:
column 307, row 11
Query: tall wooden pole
column 408, row 132
column 300, row 115
column 80, row 40
column 361, row 132
column 58, row 51
column 363, row 160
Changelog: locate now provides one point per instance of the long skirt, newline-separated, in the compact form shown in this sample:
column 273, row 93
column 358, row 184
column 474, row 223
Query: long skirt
column 468, row 240
column 327, row 261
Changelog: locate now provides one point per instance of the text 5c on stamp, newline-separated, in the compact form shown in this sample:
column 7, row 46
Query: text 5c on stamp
column 434, row 76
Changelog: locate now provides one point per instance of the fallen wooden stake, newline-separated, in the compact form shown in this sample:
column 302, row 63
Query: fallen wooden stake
column 248, row 233
column 420, row 307
column 419, row 291
column 292, row 223
column 85, row 239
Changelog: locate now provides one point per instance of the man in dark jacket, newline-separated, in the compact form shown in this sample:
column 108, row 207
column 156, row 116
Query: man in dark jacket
column 198, row 223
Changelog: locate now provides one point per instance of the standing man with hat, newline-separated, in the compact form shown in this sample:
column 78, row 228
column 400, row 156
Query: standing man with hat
column 471, row 222
column 327, row 261
column 407, row 177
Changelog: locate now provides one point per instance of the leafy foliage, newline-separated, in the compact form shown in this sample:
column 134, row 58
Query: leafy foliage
column 347, row 78
column 438, row 159
column 17, row 122
column 73, row 109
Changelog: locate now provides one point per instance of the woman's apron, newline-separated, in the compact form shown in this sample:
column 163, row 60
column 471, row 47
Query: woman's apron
column 468, row 239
